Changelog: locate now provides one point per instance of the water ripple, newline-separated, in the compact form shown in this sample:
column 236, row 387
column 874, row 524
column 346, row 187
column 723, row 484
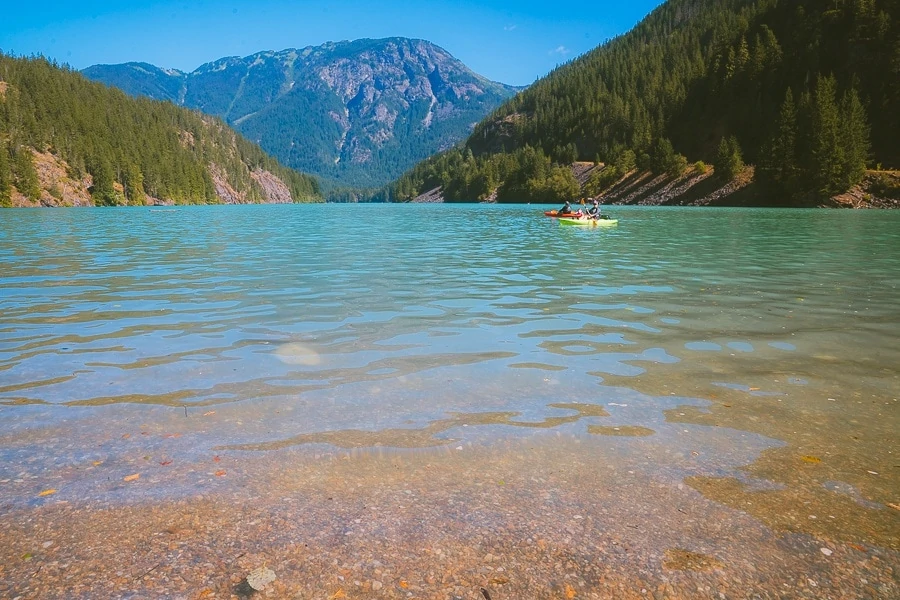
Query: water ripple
column 215, row 305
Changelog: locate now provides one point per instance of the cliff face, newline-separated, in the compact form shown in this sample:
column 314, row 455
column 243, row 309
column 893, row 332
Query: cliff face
column 357, row 113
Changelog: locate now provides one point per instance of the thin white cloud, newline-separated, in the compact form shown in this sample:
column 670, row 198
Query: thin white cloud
column 510, row 28
column 561, row 50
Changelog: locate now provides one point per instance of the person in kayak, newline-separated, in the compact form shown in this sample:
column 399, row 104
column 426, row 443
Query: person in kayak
column 594, row 211
column 565, row 210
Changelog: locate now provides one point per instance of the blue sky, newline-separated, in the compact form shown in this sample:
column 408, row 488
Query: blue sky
column 512, row 42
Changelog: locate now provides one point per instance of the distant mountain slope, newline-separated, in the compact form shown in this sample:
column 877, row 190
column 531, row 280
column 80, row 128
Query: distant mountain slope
column 65, row 140
column 359, row 113
column 690, row 75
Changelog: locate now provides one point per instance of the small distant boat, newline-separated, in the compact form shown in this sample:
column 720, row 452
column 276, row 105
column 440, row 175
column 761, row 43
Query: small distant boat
column 589, row 222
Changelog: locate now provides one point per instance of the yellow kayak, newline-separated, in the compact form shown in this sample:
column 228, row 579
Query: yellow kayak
column 589, row 222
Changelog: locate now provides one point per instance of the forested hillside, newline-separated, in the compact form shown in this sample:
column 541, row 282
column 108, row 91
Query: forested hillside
column 808, row 90
column 355, row 113
column 65, row 140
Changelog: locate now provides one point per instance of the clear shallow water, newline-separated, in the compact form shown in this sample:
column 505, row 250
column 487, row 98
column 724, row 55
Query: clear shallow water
column 746, row 337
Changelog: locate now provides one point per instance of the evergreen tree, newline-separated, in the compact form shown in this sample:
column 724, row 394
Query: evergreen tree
column 677, row 166
column 827, row 158
column 626, row 161
column 26, row 176
column 855, row 134
column 662, row 157
column 102, row 190
column 559, row 186
column 743, row 55
column 601, row 180
column 5, row 177
column 567, row 154
column 729, row 158
column 779, row 164
column 134, row 185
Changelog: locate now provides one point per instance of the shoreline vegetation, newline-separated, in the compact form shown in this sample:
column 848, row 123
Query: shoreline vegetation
column 700, row 186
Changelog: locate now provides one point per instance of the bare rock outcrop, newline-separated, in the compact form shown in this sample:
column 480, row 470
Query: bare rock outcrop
column 58, row 188
column 274, row 189
column 226, row 193
column 431, row 196
column 693, row 188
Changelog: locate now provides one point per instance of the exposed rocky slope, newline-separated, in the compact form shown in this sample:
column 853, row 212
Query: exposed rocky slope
column 879, row 189
column 60, row 187
column 358, row 113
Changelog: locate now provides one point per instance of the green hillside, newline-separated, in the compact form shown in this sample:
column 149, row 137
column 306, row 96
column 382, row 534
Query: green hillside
column 808, row 90
column 65, row 140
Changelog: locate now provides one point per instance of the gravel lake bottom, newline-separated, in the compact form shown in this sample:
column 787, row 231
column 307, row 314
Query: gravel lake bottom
column 553, row 517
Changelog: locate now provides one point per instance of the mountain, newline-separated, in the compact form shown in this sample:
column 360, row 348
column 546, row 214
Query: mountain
column 807, row 90
column 358, row 113
column 68, row 141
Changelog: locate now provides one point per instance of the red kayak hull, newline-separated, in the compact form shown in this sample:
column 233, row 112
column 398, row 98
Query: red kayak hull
column 553, row 213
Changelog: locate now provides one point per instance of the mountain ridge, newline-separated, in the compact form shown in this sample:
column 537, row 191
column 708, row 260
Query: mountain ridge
column 357, row 112
column 58, row 149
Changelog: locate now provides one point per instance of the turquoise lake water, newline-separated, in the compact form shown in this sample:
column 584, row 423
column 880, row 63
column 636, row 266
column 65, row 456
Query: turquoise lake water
column 261, row 328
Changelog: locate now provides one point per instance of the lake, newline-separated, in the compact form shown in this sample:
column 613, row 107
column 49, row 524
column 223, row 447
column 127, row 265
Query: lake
column 428, row 400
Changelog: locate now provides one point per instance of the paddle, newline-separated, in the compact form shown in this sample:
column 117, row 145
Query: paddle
column 587, row 215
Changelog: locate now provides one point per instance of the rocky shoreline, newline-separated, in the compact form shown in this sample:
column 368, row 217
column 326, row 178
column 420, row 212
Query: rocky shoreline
column 879, row 189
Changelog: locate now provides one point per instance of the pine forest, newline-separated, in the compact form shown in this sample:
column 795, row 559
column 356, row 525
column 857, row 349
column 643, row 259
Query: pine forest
column 808, row 91
column 123, row 150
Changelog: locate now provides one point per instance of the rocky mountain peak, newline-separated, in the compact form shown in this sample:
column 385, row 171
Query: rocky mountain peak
column 357, row 112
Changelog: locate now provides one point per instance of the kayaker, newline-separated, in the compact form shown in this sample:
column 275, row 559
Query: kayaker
column 566, row 209
column 594, row 211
